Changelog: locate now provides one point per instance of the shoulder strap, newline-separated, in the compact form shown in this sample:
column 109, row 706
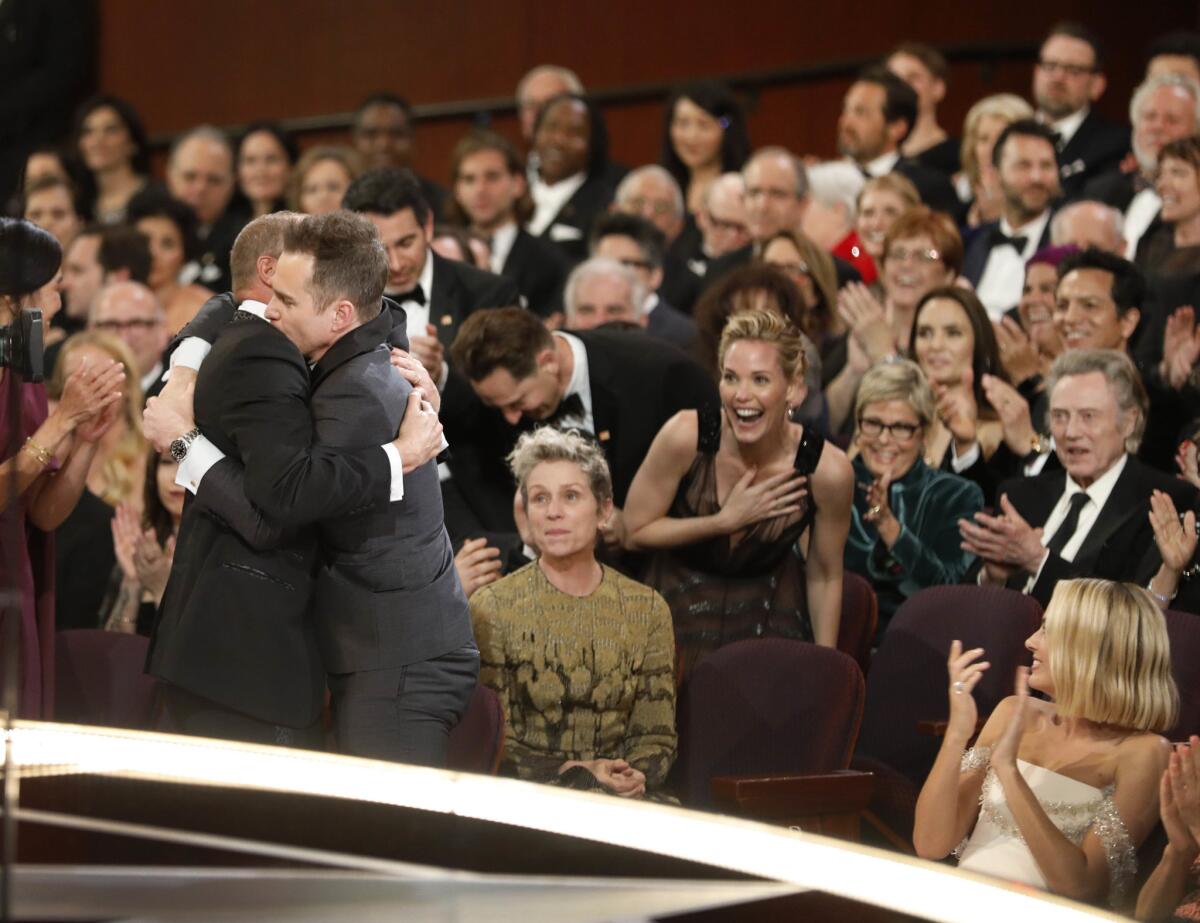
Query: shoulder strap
column 808, row 453
column 708, row 434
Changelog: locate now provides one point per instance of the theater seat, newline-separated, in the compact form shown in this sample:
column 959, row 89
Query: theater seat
column 477, row 742
column 860, row 619
column 1183, row 628
column 100, row 679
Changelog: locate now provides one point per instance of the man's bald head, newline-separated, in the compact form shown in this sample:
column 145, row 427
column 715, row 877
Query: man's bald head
column 200, row 172
column 722, row 220
column 131, row 311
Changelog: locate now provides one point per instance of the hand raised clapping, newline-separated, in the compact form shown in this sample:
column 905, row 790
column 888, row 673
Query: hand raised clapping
column 965, row 669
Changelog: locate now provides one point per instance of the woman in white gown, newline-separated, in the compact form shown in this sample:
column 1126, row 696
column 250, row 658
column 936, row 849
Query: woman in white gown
column 1058, row 794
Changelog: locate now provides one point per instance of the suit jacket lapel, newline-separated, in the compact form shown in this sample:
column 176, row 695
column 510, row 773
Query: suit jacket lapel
column 444, row 312
column 1126, row 502
column 605, row 401
column 977, row 253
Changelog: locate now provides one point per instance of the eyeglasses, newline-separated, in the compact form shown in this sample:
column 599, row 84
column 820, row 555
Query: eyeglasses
column 145, row 323
column 900, row 432
column 1071, row 70
column 642, row 205
column 901, row 255
column 636, row 264
column 729, row 227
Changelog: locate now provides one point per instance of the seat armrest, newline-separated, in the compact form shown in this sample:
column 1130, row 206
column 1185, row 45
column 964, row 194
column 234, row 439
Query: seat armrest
column 778, row 798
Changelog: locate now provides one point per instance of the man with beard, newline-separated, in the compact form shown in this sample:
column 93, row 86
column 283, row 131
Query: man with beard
column 995, row 260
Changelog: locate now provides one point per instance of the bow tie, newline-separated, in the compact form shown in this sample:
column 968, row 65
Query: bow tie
column 569, row 407
column 417, row 295
column 998, row 239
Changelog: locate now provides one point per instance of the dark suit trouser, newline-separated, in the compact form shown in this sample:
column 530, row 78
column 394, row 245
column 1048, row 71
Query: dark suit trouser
column 181, row 712
column 404, row 714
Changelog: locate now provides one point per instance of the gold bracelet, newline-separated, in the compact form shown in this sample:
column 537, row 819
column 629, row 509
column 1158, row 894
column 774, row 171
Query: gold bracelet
column 43, row 455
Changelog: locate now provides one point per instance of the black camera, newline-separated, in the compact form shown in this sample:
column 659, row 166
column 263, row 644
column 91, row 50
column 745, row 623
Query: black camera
column 21, row 347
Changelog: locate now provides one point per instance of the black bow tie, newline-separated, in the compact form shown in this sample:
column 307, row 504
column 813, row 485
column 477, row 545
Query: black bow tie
column 417, row 295
column 998, row 239
column 570, row 407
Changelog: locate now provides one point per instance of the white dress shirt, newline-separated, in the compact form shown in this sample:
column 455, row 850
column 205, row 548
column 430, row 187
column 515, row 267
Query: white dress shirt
column 202, row 454
column 503, row 239
column 549, row 200
column 580, row 383
column 883, row 164
column 1003, row 276
column 1066, row 127
column 418, row 314
column 1143, row 209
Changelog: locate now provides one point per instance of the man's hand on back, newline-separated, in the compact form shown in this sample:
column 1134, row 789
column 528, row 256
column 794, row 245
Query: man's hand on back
column 420, row 436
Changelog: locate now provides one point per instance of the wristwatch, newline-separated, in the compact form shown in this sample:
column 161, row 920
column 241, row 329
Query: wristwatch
column 180, row 446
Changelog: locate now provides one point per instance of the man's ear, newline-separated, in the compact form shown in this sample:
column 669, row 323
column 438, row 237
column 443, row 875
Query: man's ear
column 1096, row 86
column 1128, row 323
column 116, row 275
column 428, row 228
column 897, row 130
column 265, row 267
column 344, row 314
column 547, row 359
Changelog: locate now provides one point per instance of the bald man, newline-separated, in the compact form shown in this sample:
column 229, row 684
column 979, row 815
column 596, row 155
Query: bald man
column 130, row 311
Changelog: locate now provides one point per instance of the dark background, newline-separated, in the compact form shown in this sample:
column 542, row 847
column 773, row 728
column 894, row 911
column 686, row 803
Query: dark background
column 229, row 61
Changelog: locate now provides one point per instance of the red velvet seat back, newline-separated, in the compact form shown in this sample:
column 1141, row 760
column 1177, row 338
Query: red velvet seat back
column 477, row 742
column 1184, row 631
column 101, row 680
column 860, row 617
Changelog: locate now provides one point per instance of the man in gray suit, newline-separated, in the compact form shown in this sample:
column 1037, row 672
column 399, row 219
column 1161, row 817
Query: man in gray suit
column 392, row 621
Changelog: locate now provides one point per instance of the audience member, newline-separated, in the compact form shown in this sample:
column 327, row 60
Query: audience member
column 979, row 184
column 601, row 291
column 491, row 196
column 922, row 251
column 1176, row 52
column 903, row 536
column 144, row 544
column 1092, row 517
column 995, row 260
column 639, row 245
column 321, row 178
column 200, row 174
column 567, row 642
column 1173, row 245
column 726, row 496
column 883, row 199
column 131, row 312
column 1102, row 660
column 266, row 154
column 50, row 203
column 112, row 144
column 924, row 69
column 537, row 88
column 1085, row 223
column 455, row 243
column 1163, row 109
column 170, row 229
column 1067, row 79
column 704, row 135
column 84, row 556
column 1028, row 346
column 721, row 221
column 811, row 268
column 383, row 136
column 829, row 220
column 570, row 184
column 878, row 114
column 47, row 457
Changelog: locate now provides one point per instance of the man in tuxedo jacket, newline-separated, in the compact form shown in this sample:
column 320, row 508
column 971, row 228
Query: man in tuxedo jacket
column 234, row 645
column 620, row 386
column 640, row 246
column 721, row 222
column 491, row 196
column 200, row 172
column 878, row 114
column 1067, row 80
column 994, row 261
column 1090, row 519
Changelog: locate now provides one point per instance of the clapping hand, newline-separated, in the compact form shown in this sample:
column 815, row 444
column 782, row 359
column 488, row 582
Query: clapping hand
column 1004, row 752
column 1175, row 538
column 1181, row 347
column 428, row 350
column 1013, row 411
column 965, row 669
column 1185, row 460
column 1017, row 352
column 1179, row 793
column 152, row 562
column 478, row 564
column 869, row 323
column 957, row 410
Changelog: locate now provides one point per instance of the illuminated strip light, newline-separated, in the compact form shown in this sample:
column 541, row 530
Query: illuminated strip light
column 835, row 867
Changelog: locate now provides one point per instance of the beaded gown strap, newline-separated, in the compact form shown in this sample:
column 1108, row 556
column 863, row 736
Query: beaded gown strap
column 975, row 758
column 708, row 435
column 808, row 453
column 1118, row 849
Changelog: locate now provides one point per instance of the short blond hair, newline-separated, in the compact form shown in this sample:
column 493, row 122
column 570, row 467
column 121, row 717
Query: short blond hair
column 896, row 380
column 547, row 444
column 768, row 327
column 1110, row 656
column 1007, row 106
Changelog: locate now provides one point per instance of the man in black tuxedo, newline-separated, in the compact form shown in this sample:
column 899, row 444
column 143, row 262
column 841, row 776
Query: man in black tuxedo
column 620, row 386
column 1090, row 519
column 1067, row 79
column 200, row 173
column 994, row 261
column 234, row 645
column 721, row 222
column 638, row 245
column 491, row 196
column 878, row 114
column 383, row 136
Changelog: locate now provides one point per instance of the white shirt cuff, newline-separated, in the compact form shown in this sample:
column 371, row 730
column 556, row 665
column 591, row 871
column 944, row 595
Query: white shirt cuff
column 961, row 463
column 393, row 454
column 443, row 376
column 191, row 353
column 201, row 456
column 1029, row 585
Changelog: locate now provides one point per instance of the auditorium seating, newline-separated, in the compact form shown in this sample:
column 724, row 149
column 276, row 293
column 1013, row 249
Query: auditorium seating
column 100, row 679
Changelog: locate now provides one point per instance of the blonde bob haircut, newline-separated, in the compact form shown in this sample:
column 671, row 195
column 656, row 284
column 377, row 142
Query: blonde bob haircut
column 768, row 327
column 1109, row 655
column 547, row 444
column 896, row 380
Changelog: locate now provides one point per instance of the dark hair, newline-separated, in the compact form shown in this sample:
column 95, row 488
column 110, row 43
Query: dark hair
column 50, row 182
column 1185, row 149
column 717, row 100
column 460, row 236
column 1030, row 128
column 154, row 515
column 291, row 149
column 477, row 141
column 931, row 59
column 125, row 247
column 155, row 202
column 985, row 357
column 1183, row 42
column 819, row 319
column 733, row 292
column 900, row 99
column 82, row 181
column 1128, row 283
column 133, row 124
column 500, row 338
column 384, row 98
column 29, row 257
column 1051, row 256
column 1078, row 30
column 597, row 159
column 348, row 260
column 385, row 191
column 650, row 240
